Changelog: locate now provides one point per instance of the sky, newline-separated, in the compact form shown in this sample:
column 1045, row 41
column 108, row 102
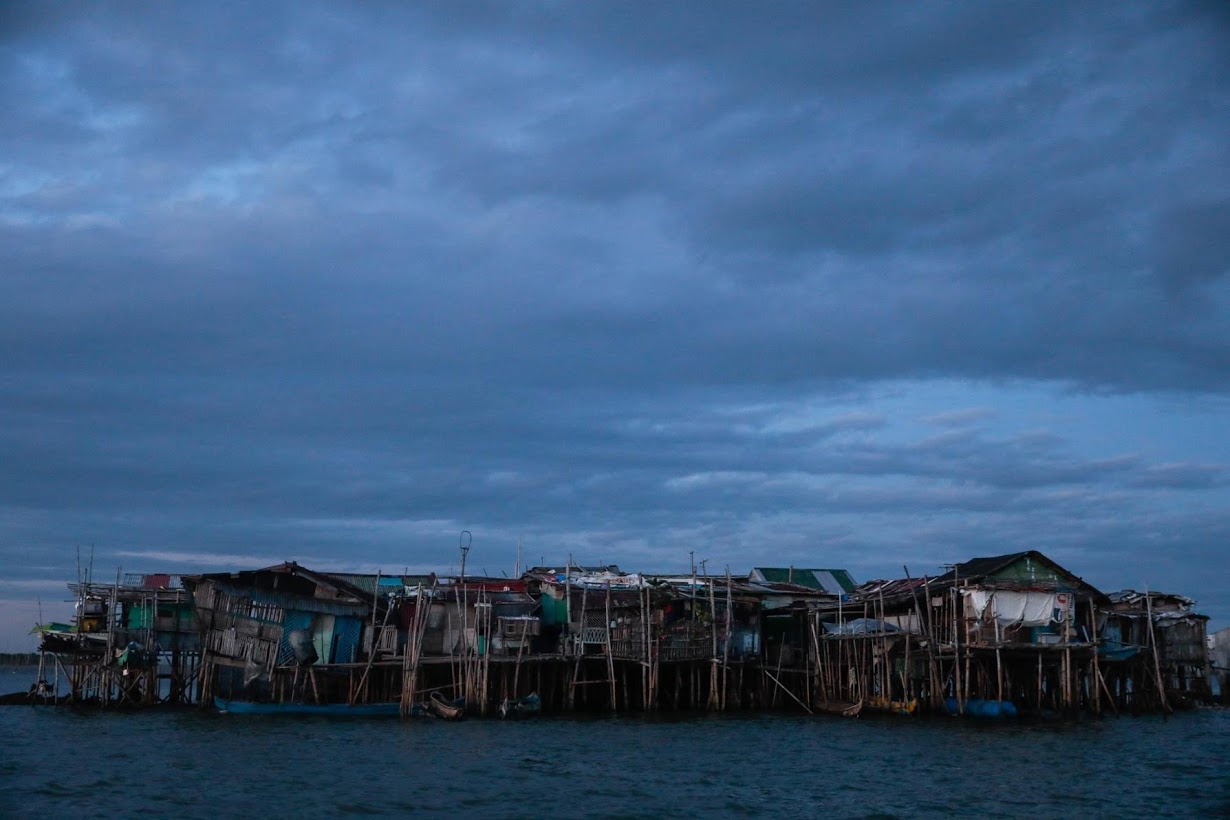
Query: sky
column 861, row 285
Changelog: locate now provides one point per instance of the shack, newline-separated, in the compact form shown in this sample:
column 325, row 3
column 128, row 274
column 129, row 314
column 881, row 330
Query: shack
column 280, row 633
column 133, row 642
column 989, row 637
column 1155, row 650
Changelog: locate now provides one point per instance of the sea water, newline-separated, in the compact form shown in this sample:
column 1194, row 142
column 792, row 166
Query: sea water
column 57, row 762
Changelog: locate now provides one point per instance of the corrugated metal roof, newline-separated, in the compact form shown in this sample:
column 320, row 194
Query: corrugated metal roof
column 978, row 569
column 834, row 581
column 367, row 582
column 292, row 602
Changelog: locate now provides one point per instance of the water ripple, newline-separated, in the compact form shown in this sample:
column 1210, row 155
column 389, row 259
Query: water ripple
column 193, row 764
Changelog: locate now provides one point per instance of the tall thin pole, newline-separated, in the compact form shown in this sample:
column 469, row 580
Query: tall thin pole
column 568, row 596
column 726, row 644
column 1157, row 664
column 610, row 658
column 463, row 606
column 956, row 643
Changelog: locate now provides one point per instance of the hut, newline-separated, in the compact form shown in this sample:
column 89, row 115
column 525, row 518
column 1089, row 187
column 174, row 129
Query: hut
column 1219, row 661
column 1018, row 631
column 991, row 636
column 281, row 633
column 1155, row 650
column 133, row 642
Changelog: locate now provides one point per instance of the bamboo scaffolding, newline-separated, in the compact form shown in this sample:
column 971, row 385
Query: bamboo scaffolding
column 359, row 690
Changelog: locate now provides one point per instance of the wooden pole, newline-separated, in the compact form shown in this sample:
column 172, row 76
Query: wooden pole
column 610, row 658
column 1096, row 672
column 956, row 644
column 726, row 644
column 786, row 689
column 579, row 649
column 714, row 701
column 1039, row 703
column 641, row 599
column 360, row 691
column 1109, row 697
column 842, row 691
column 886, row 670
column 815, row 642
column 1157, row 663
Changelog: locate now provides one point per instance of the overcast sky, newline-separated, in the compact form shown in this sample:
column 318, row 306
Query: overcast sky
column 842, row 285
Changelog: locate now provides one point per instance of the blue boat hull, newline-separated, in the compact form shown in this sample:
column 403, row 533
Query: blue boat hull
column 245, row 707
column 979, row 708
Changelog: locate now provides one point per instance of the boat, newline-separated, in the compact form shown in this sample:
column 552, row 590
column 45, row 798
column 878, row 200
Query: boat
column 844, row 708
column 447, row 709
column 248, row 707
column 893, row 707
column 529, row 705
column 980, row 708
column 58, row 637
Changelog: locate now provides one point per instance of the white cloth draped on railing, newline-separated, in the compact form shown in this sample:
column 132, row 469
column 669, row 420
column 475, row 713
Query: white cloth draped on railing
column 1016, row 608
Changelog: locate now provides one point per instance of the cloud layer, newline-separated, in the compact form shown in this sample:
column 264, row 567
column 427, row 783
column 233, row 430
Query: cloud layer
column 844, row 286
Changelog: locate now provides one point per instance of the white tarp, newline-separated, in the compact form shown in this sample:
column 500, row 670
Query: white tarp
column 1016, row 608
column 601, row 579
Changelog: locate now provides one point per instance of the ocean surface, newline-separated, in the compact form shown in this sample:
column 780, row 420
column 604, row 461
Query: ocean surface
column 191, row 763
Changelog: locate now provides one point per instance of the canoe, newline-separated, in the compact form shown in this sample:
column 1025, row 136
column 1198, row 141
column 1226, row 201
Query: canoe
column 979, row 708
column 893, row 707
column 247, row 707
column 840, row 707
column 531, row 704
column 447, row 709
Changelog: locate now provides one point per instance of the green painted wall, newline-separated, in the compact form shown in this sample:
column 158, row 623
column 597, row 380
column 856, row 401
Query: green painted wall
column 1027, row 569
column 554, row 610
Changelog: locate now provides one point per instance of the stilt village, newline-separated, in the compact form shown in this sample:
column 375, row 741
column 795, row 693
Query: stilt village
column 993, row 637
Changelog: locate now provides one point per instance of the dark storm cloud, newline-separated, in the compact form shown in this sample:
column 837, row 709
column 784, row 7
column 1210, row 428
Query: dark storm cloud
column 610, row 276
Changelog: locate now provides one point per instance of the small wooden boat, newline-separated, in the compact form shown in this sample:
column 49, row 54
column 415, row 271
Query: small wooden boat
column 843, row 708
column 893, row 707
column 529, row 705
column 447, row 709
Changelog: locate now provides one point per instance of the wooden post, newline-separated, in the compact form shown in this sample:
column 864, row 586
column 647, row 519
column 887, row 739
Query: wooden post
column 730, row 615
column 786, row 689
column 821, row 689
column 924, row 624
column 1157, row 663
column 884, row 650
column 864, row 656
column 579, row 649
column 642, row 600
column 414, row 649
column 525, row 625
column 610, row 658
column 841, row 691
column 968, row 646
column 360, row 690
column 956, row 645
column 1096, row 671
column 713, row 665
column 1109, row 697
column 1039, row 703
